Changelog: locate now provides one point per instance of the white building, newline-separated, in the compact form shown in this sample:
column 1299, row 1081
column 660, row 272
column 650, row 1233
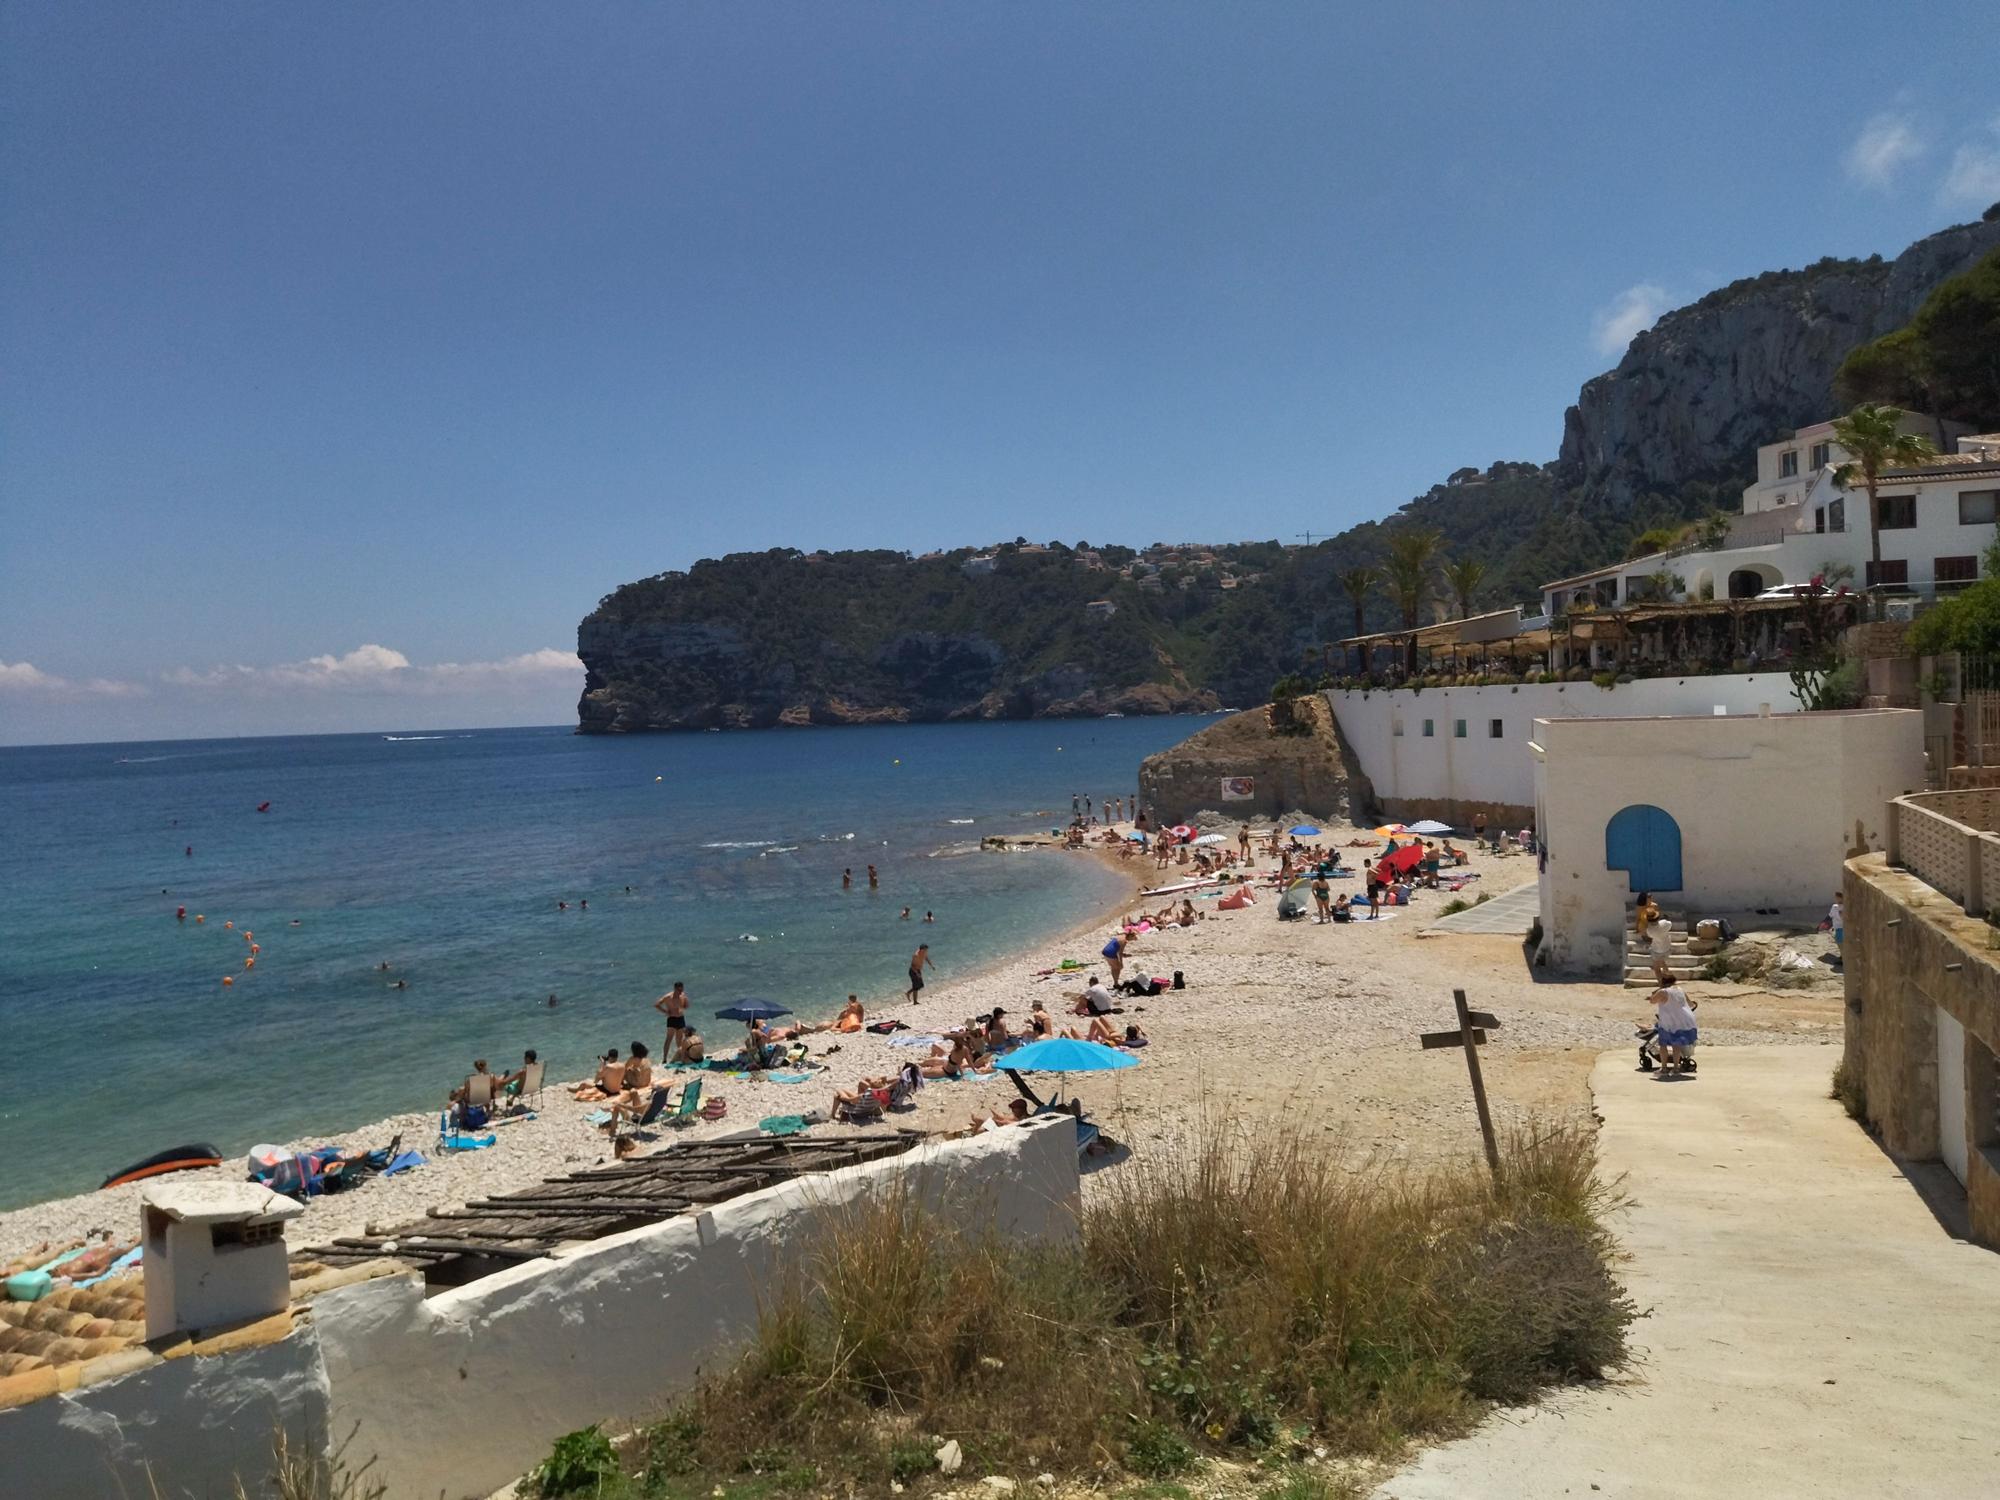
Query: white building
column 981, row 565
column 1787, row 468
column 1712, row 815
column 1936, row 522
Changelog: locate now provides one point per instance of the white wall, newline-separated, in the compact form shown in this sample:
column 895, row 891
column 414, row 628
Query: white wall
column 1480, row 769
column 1768, row 811
column 195, row 1425
column 460, row 1393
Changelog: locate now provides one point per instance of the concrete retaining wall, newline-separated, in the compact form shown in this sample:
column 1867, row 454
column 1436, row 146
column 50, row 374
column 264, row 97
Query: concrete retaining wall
column 1911, row 953
column 460, row 1392
column 1445, row 776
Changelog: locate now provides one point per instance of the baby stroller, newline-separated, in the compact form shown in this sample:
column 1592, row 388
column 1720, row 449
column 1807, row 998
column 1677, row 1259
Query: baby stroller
column 1649, row 1050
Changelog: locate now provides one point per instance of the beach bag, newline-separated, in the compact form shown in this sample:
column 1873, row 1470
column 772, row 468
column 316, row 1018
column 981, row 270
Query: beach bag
column 471, row 1116
column 883, row 1028
column 1179, row 982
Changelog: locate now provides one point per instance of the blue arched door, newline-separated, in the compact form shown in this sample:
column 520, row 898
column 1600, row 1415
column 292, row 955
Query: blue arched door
column 1645, row 842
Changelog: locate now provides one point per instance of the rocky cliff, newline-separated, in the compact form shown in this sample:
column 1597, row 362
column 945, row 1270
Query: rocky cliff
column 784, row 638
column 1290, row 752
column 1698, row 391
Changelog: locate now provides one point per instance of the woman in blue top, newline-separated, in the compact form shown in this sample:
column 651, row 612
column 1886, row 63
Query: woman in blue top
column 1114, row 955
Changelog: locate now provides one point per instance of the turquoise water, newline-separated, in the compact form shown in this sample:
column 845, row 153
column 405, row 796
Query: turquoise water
column 444, row 854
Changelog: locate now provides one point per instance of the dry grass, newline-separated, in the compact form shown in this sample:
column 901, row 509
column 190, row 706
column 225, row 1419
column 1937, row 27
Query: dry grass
column 1250, row 1296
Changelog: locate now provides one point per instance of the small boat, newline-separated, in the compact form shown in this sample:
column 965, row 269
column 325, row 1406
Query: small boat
column 173, row 1159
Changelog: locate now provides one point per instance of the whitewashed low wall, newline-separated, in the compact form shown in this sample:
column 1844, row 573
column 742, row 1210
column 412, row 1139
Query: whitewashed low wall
column 1443, row 775
column 459, row 1393
column 193, row 1426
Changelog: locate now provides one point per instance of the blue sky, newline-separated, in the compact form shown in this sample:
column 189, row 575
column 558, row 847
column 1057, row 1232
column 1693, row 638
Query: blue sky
column 354, row 351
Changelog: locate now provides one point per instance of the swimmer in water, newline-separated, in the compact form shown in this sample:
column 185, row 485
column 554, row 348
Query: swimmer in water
column 906, row 914
column 295, row 921
column 562, row 906
column 552, row 1002
column 583, row 905
column 928, row 917
column 847, row 880
column 401, row 984
column 189, row 851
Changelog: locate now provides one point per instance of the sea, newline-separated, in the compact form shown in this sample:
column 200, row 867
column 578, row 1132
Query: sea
column 447, row 855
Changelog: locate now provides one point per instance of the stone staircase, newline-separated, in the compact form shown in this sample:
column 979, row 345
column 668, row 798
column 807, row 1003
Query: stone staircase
column 1686, row 959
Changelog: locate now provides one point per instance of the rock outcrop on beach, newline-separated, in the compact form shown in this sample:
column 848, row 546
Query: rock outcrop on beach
column 1290, row 753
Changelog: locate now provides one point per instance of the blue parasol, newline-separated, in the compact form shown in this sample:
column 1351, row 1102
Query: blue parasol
column 1062, row 1055
column 1303, row 830
column 1067, row 1055
column 752, row 1010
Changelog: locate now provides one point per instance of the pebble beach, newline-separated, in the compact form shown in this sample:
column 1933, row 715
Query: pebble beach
column 1315, row 1023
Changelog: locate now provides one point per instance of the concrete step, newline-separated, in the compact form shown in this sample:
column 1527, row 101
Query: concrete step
column 1639, row 978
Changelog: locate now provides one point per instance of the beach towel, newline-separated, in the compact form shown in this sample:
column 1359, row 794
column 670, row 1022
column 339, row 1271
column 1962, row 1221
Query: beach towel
column 916, row 1041
column 782, row 1124
column 118, row 1267
column 409, row 1159
column 788, row 1078
column 597, row 1117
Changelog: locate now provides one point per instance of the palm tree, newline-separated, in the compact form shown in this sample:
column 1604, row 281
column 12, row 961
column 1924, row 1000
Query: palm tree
column 1463, row 579
column 1358, row 583
column 1873, row 437
column 1412, row 568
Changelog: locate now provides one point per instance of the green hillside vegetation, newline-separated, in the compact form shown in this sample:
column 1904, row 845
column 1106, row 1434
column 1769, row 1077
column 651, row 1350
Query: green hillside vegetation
column 1946, row 360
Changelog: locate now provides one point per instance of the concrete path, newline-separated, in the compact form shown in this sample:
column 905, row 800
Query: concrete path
column 1812, row 1332
column 1509, row 915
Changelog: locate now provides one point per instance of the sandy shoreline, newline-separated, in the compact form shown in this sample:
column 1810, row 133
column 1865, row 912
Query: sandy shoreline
column 1317, row 1023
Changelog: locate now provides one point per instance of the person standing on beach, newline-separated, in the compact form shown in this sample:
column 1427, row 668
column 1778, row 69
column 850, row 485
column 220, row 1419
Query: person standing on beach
column 1075, row 807
column 1479, row 825
column 674, row 1006
column 1114, row 957
column 919, row 961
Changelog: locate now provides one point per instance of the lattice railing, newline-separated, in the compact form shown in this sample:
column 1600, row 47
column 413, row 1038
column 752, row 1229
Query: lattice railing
column 1947, row 840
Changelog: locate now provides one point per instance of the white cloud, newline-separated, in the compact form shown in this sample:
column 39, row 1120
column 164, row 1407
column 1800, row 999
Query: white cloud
column 27, row 678
column 1627, row 315
column 1974, row 174
column 381, row 669
column 1888, row 142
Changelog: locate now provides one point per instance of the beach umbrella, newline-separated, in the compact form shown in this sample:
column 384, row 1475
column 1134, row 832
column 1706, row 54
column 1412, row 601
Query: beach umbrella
column 1135, row 838
column 1390, row 830
column 1430, row 826
column 752, row 1010
column 1181, row 831
column 1303, row 830
column 1406, row 858
column 1211, row 838
column 1062, row 1055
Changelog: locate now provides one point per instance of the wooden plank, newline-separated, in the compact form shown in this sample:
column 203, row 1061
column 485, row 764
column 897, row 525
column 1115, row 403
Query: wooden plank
column 1472, row 1040
column 1433, row 1040
column 1483, row 1018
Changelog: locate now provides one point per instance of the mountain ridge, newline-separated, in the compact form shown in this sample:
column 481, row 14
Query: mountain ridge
column 782, row 637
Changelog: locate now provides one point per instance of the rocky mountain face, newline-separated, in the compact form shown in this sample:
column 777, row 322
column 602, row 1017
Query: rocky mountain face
column 780, row 638
column 1696, row 393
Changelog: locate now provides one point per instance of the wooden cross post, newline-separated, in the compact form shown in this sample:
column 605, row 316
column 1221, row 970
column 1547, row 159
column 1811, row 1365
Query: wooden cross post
column 1471, row 1034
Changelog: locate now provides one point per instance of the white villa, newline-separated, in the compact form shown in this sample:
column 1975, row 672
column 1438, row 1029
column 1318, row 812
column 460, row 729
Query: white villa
column 1936, row 521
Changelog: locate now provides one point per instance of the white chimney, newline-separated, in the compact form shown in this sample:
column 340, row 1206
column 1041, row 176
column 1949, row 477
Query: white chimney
column 215, row 1254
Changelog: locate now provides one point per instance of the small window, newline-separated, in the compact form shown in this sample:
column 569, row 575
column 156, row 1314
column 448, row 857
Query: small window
column 1977, row 508
column 1458, row 729
column 1496, row 729
column 1396, row 728
column 1788, row 464
column 1896, row 512
column 1836, row 516
column 1822, row 455
column 1430, row 728
column 1889, row 573
column 1956, row 570
column 1819, row 518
